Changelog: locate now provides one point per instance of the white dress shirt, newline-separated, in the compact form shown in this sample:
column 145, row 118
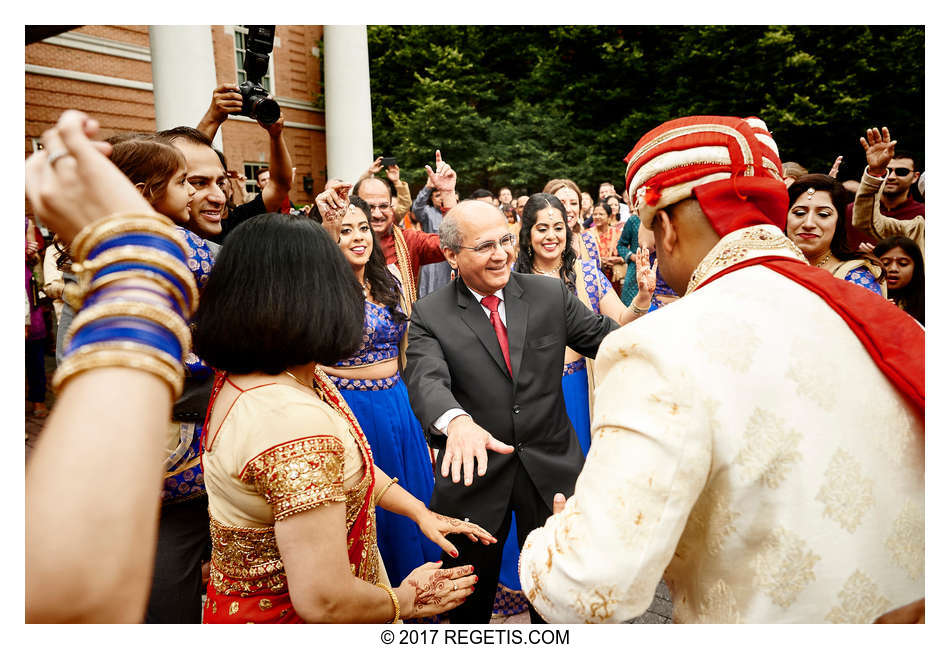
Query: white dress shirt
column 443, row 422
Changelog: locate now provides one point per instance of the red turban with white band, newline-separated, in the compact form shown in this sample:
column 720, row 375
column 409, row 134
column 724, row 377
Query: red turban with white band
column 730, row 165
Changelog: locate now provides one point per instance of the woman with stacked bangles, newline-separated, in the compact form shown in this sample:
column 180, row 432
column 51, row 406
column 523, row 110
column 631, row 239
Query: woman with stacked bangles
column 372, row 386
column 122, row 369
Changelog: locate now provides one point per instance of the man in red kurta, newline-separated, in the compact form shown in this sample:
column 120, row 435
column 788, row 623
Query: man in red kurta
column 421, row 247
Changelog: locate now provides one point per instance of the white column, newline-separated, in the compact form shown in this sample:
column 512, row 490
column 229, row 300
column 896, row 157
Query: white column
column 349, row 116
column 183, row 74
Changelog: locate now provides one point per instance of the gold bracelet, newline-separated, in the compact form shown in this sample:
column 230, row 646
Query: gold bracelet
column 139, row 274
column 385, row 489
column 637, row 310
column 162, row 316
column 130, row 346
column 395, row 599
column 115, row 224
column 122, row 359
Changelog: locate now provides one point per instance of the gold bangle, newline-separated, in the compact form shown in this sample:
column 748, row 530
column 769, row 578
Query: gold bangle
column 162, row 316
column 385, row 489
column 118, row 358
column 138, row 274
column 637, row 310
column 115, row 224
column 129, row 346
column 128, row 253
column 395, row 599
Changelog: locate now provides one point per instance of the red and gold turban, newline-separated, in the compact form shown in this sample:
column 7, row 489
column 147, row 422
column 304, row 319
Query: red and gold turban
column 730, row 165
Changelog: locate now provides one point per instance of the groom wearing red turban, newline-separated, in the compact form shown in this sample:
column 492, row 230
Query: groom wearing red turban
column 758, row 442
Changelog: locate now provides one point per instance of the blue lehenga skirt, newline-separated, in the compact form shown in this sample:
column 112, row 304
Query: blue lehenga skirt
column 509, row 599
column 399, row 448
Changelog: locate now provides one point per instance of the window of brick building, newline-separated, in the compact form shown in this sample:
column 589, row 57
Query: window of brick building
column 250, row 171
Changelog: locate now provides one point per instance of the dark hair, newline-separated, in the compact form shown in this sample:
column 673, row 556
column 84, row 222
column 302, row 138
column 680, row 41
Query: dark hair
column 839, row 199
column 150, row 162
column 382, row 284
column 280, row 294
column 229, row 195
column 192, row 135
column 257, row 174
column 906, row 155
column 529, row 216
column 389, row 185
column 481, row 193
column 911, row 297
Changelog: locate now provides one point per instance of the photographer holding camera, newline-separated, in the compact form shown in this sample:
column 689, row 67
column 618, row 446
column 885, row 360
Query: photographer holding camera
column 251, row 100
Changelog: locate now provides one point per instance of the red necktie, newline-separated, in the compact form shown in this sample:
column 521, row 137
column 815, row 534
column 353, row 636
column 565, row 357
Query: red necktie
column 491, row 303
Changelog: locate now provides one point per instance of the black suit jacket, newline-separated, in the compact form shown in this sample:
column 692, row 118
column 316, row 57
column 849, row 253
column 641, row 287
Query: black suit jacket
column 454, row 361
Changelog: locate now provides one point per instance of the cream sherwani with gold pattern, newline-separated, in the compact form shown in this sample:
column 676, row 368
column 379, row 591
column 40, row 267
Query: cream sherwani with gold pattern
column 745, row 443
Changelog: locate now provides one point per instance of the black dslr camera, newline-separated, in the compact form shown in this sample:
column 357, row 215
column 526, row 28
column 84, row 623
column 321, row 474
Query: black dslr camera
column 257, row 104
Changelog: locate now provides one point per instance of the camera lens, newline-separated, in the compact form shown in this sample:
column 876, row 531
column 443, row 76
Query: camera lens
column 266, row 111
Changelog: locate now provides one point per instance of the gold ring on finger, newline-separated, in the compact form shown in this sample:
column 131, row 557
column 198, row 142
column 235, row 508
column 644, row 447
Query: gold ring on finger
column 56, row 155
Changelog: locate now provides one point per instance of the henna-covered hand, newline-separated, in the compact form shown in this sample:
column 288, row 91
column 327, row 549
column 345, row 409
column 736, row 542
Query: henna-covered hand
column 332, row 204
column 436, row 527
column 646, row 275
column 433, row 590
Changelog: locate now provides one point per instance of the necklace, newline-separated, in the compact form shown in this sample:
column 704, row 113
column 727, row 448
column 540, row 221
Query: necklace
column 824, row 260
column 556, row 272
column 309, row 387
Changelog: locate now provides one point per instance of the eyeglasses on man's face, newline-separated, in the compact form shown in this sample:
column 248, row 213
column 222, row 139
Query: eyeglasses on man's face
column 488, row 247
column 380, row 207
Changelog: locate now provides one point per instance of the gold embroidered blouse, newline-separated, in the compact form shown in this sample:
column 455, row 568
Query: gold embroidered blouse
column 278, row 452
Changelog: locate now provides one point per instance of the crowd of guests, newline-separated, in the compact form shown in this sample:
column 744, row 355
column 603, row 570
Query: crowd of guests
column 263, row 350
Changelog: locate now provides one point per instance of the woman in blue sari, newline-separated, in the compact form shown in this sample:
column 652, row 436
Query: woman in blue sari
column 371, row 384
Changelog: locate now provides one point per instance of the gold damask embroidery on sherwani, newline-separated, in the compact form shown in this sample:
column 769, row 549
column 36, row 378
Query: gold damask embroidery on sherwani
column 719, row 462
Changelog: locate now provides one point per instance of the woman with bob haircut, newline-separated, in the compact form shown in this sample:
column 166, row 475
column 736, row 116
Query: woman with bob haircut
column 904, row 264
column 816, row 224
column 291, row 483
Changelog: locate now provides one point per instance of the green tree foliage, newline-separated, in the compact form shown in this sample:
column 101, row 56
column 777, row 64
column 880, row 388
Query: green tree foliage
column 517, row 106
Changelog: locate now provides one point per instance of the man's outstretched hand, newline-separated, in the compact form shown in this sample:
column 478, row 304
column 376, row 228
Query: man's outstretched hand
column 467, row 443
column 879, row 150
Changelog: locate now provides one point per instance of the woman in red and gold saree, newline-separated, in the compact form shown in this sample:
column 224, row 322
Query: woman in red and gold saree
column 291, row 482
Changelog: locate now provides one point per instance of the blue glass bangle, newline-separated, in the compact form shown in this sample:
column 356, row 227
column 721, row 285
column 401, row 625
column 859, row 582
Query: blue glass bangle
column 102, row 295
column 139, row 239
column 139, row 265
column 126, row 328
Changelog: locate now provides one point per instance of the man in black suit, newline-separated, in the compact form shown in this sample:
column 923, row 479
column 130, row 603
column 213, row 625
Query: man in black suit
column 484, row 374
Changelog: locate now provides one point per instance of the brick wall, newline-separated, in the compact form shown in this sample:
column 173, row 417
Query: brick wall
column 119, row 109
